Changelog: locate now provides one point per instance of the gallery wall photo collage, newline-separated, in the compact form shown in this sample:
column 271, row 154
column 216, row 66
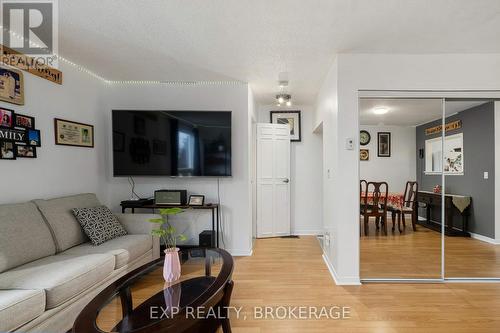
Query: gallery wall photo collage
column 18, row 135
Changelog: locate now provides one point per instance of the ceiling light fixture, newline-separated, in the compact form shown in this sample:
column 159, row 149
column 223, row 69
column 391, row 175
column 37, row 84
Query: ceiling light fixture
column 284, row 98
column 380, row 111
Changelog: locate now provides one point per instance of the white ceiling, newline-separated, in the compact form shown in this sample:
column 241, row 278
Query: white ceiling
column 409, row 112
column 253, row 41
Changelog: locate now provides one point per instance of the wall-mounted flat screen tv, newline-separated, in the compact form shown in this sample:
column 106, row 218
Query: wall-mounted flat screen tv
column 171, row 143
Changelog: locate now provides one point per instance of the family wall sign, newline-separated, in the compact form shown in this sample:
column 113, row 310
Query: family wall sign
column 18, row 135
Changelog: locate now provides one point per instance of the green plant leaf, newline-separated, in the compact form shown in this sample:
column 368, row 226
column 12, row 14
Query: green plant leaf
column 158, row 232
column 158, row 220
column 182, row 237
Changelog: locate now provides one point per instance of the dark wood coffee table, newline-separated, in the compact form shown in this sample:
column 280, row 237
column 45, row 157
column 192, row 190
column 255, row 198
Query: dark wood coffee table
column 141, row 301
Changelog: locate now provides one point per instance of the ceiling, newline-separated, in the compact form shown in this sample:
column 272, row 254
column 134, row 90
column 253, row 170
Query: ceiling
column 253, row 41
column 409, row 112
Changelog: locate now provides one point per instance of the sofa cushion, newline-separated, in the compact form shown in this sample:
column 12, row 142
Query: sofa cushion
column 24, row 235
column 61, row 276
column 99, row 224
column 17, row 307
column 66, row 229
column 125, row 249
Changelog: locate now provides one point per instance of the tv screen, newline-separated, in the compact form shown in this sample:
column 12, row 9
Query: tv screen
column 171, row 143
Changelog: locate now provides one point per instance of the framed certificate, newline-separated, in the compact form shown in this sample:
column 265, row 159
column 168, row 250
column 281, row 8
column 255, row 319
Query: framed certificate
column 71, row 133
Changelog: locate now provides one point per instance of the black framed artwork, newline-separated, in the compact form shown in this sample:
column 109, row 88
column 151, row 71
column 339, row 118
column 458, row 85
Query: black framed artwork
column 384, row 144
column 196, row 200
column 6, row 117
column 290, row 118
column 25, row 151
column 18, row 136
column 7, row 150
column 34, row 137
column 24, row 121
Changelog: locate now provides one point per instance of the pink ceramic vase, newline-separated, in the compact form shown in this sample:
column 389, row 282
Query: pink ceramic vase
column 172, row 265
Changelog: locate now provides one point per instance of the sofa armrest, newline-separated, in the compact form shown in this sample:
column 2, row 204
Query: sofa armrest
column 137, row 224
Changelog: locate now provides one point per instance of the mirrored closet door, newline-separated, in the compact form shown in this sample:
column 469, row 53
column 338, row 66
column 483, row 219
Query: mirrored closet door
column 400, row 181
column 472, row 230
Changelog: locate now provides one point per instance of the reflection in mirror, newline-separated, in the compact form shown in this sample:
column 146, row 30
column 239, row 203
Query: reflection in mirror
column 472, row 247
column 399, row 240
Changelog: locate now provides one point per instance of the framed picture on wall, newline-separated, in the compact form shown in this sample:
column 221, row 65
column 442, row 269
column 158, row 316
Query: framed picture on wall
column 292, row 119
column 196, row 200
column 364, row 155
column 23, row 121
column 6, row 117
column 72, row 133
column 25, row 151
column 33, row 136
column 7, row 151
column 11, row 86
column 384, row 144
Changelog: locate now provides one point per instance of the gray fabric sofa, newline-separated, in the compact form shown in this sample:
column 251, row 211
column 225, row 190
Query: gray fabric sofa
column 49, row 270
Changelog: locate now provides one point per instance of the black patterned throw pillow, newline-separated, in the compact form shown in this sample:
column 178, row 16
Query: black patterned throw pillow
column 99, row 224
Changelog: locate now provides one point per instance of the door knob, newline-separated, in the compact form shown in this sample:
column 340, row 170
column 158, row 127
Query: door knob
column 286, row 180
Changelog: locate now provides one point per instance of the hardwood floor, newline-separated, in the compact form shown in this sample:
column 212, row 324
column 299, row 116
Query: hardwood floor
column 291, row 272
column 418, row 255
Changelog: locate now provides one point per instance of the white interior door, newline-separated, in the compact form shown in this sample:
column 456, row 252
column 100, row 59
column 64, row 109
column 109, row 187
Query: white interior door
column 273, row 180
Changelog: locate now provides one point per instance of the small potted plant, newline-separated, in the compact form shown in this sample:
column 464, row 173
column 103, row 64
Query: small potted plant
column 167, row 233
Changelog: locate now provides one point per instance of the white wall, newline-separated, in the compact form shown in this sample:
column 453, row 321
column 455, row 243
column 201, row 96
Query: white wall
column 58, row 170
column 235, row 191
column 305, row 175
column 383, row 72
column 326, row 118
column 397, row 169
column 252, row 158
column 497, row 171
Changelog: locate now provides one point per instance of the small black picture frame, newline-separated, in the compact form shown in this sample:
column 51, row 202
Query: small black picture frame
column 33, row 137
column 24, row 121
column 384, row 144
column 196, row 200
column 7, row 150
column 25, row 151
column 6, row 117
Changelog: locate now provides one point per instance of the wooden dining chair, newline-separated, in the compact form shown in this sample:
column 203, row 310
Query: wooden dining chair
column 362, row 190
column 410, row 204
column 374, row 204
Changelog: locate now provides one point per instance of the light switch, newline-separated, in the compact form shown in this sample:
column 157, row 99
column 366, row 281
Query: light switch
column 486, row 175
column 349, row 144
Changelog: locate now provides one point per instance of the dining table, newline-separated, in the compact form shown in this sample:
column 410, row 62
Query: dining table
column 394, row 199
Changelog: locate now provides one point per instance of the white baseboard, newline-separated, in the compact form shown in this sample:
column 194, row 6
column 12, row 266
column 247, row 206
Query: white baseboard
column 240, row 253
column 485, row 239
column 339, row 280
column 307, row 232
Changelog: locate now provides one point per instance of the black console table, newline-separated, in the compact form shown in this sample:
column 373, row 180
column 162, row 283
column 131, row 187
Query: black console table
column 149, row 204
column 431, row 200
